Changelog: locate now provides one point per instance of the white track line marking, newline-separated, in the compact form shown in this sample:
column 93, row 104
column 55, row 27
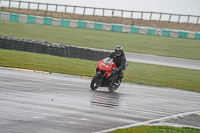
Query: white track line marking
column 148, row 122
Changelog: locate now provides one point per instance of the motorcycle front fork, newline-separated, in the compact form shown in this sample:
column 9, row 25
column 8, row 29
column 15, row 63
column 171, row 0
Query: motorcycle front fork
column 114, row 79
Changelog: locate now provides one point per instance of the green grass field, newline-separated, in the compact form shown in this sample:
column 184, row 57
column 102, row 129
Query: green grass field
column 139, row 73
column 154, row 45
column 157, row 129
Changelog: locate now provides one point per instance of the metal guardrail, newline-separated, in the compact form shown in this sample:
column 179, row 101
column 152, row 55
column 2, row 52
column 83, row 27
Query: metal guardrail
column 103, row 10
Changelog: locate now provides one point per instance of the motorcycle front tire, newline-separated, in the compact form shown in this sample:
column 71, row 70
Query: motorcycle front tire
column 94, row 83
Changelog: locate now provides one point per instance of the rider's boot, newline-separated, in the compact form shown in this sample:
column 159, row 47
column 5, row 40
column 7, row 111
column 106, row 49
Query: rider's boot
column 119, row 78
column 118, row 81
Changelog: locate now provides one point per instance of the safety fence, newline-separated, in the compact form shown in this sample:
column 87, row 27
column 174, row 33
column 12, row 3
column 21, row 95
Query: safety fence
column 43, row 47
column 98, row 26
column 97, row 11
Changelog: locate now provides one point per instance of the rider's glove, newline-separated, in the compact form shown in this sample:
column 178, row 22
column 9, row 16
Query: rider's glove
column 117, row 69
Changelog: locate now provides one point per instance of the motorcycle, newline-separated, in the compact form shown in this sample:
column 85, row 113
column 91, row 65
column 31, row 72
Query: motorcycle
column 106, row 75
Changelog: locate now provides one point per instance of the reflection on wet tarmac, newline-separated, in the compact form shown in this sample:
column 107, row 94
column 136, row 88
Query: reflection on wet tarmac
column 53, row 103
column 105, row 99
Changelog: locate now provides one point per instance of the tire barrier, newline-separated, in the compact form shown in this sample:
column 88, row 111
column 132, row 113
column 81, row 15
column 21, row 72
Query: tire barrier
column 43, row 47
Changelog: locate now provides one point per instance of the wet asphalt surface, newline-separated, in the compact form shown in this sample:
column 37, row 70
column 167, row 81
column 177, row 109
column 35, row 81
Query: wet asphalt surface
column 191, row 120
column 48, row 103
column 161, row 60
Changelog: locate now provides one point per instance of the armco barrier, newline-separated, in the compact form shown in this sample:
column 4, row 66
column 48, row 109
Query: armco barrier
column 14, row 17
column 31, row 19
column 90, row 25
column 97, row 26
column 23, row 18
column 44, row 47
column 65, row 23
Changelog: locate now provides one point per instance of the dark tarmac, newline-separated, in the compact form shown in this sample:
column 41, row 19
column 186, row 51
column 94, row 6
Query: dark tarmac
column 161, row 60
column 47, row 103
column 192, row 120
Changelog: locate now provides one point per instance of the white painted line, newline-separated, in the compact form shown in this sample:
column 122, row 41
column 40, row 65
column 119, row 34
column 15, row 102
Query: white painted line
column 148, row 122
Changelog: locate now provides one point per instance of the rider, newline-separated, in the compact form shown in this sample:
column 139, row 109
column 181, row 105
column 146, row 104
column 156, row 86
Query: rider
column 120, row 60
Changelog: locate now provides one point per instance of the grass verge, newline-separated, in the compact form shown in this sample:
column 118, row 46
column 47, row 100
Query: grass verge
column 139, row 73
column 157, row 129
column 154, row 45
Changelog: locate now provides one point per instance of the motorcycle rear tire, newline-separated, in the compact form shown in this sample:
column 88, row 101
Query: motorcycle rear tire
column 94, row 81
column 113, row 87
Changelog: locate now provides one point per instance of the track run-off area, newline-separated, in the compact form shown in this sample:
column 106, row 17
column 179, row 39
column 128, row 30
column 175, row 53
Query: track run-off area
column 48, row 103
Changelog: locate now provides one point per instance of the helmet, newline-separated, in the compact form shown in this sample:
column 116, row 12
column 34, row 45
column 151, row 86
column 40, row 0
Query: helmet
column 118, row 50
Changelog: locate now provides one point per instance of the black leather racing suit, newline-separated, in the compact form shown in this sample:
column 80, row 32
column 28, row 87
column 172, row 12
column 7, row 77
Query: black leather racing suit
column 120, row 61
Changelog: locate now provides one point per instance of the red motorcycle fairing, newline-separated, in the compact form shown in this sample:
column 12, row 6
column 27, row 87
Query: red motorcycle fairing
column 105, row 77
column 106, row 67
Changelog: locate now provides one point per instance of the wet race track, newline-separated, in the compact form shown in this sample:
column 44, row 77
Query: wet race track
column 48, row 103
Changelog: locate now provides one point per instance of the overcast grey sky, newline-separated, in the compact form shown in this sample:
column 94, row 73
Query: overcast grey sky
column 188, row 7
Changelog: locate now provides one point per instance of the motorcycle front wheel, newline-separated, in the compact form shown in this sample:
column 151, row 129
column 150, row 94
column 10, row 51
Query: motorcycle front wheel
column 95, row 83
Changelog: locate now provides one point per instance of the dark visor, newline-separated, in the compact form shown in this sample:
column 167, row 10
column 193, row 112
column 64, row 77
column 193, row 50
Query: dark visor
column 117, row 51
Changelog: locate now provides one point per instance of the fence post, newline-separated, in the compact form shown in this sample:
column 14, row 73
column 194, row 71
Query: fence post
column 38, row 7
column 122, row 14
column 160, row 16
column 169, row 18
column 19, row 5
column 141, row 15
column 131, row 14
column 84, row 11
column 112, row 13
column 47, row 7
column 197, row 19
column 94, row 12
column 45, row 14
column 9, row 4
column 28, row 5
column 66, row 9
column 188, row 19
column 103, row 12
column 150, row 16
column 74, row 9
column 179, row 18
column 56, row 8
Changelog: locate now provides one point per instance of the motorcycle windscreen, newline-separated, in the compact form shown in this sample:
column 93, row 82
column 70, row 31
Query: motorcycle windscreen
column 108, row 60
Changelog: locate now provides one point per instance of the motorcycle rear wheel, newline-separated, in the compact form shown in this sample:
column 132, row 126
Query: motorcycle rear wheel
column 113, row 87
column 95, row 81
